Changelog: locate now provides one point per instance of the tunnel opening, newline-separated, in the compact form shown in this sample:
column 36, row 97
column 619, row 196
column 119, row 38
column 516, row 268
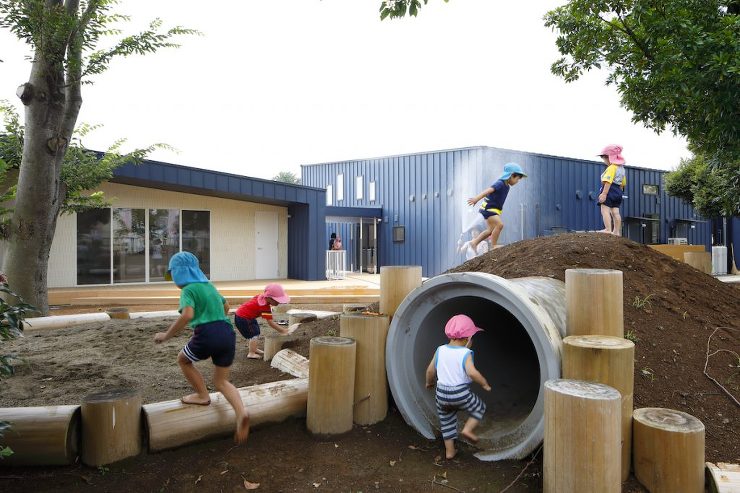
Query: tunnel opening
column 517, row 352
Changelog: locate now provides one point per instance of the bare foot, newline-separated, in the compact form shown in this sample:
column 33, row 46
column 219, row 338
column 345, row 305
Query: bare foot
column 259, row 351
column 450, row 456
column 616, row 234
column 603, row 231
column 242, row 429
column 470, row 436
column 253, row 356
column 195, row 399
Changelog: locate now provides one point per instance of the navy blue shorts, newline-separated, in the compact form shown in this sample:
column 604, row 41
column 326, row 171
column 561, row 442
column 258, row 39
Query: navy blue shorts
column 486, row 213
column 248, row 327
column 215, row 340
column 613, row 197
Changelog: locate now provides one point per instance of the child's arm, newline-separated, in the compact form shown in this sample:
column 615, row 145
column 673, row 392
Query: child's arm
column 431, row 374
column 226, row 307
column 474, row 200
column 473, row 373
column 183, row 320
column 602, row 196
column 275, row 326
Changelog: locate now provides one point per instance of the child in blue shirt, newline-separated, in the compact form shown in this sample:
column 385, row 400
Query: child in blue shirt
column 206, row 311
column 453, row 367
column 495, row 196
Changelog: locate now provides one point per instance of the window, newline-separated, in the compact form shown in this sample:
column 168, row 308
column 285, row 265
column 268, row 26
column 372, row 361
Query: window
column 371, row 191
column 650, row 189
column 93, row 247
column 359, row 185
column 328, row 194
column 129, row 252
column 340, row 188
column 196, row 237
column 164, row 240
column 399, row 234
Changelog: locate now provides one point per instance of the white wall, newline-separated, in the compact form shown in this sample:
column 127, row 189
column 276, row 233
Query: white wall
column 232, row 232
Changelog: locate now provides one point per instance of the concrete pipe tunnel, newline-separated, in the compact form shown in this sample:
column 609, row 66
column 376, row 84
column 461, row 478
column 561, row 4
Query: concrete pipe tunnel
column 519, row 350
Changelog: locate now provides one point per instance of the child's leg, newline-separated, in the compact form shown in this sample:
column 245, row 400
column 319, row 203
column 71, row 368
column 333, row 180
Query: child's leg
column 607, row 218
column 253, row 354
column 450, row 450
column 617, row 221
column 467, row 430
column 195, row 379
column 483, row 234
column 221, row 381
column 496, row 225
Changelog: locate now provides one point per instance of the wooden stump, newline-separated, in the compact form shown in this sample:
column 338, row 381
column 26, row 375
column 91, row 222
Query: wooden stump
column 594, row 302
column 288, row 361
column 611, row 361
column 396, row 282
column 41, row 436
column 331, row 381
column 668, row 450
column 354, row 307
column 298, row 318
column 699, row 260
column 582, row 437
column 111, row 426
column 273, row 342
column 171, row 423
column 371, row 384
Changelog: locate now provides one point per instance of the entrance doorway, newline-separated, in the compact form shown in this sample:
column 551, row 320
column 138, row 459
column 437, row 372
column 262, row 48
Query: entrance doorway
column 266, row 245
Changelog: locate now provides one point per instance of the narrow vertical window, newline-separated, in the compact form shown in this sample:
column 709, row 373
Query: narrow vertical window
column 359, row 185
column 328, row 195
column 340, row 188
column 371, row 191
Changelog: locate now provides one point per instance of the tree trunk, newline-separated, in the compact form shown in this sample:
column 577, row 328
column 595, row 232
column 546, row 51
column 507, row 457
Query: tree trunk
column 51, row 109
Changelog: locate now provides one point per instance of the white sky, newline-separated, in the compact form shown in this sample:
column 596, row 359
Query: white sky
column 275, row 84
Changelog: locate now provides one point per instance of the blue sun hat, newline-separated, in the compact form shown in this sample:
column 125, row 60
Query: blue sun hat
column 510, row 169
column 184, row 269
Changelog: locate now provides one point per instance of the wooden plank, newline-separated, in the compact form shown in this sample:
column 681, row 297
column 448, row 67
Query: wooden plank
column 723, row 477
column 677, row 251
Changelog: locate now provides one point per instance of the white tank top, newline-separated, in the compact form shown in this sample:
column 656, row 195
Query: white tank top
column 450, row 365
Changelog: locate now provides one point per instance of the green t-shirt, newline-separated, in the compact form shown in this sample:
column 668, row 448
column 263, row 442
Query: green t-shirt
column 207, row 303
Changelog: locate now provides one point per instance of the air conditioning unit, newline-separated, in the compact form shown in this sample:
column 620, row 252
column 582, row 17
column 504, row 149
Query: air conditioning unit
column 678, row 241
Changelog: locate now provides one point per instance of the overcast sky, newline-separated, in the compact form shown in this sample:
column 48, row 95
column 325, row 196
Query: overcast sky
column 272, row 85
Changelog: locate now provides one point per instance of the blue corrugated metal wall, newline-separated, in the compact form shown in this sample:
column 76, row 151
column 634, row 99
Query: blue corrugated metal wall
column 426, row 194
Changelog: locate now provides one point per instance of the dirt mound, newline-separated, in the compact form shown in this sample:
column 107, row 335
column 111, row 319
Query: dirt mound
column 670, row 310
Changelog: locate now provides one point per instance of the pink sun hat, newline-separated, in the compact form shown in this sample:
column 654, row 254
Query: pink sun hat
column 461, row 327
column 614, row 153
column 274, row 291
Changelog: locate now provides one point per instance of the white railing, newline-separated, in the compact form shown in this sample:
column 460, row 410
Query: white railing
column 336, row 264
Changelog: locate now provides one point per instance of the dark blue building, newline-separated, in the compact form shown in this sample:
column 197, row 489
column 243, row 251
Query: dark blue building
column 411, row 209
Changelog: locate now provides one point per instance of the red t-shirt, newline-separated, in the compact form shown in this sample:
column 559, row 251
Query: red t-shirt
column 252, row 309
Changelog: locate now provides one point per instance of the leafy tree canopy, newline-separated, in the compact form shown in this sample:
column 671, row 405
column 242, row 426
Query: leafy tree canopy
column 713, row 190
column 676, row 64
column 400, row 8
column 287, row 177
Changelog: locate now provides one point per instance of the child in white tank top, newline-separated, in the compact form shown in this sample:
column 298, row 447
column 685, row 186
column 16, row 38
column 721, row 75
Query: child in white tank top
column 453, row 368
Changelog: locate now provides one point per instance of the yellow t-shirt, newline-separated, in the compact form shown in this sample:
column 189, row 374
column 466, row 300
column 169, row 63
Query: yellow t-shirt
column 614, row 173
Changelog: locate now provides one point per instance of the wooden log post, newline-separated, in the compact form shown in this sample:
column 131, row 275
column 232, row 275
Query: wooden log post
column 594, row 302
column 111, row 426
column 331, row 384
column 171, row 424
column 274, row 341
column 396, row 282
column 288, row 361
column 41, row 436
column 611, row 361
column 668, row 450
column 699, row 260
column 371, row 383
column 582, row 437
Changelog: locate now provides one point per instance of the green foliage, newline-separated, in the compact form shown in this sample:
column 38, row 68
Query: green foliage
column 631, row 336
column 675, row 64
column 642, row 303
column 714, row 190
column 287, row 177
column 82, row 169
column 399, row 8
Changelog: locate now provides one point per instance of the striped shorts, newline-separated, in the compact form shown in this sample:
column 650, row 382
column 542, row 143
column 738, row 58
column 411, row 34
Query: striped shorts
column 450, row 400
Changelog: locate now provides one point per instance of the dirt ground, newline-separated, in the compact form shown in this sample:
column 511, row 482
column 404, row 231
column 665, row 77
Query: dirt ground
column 670, row 310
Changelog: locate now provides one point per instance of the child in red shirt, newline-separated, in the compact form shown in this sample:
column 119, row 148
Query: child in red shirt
column 261, row 305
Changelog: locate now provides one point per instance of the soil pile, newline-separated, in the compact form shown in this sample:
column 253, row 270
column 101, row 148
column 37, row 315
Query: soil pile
column 671, row 311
